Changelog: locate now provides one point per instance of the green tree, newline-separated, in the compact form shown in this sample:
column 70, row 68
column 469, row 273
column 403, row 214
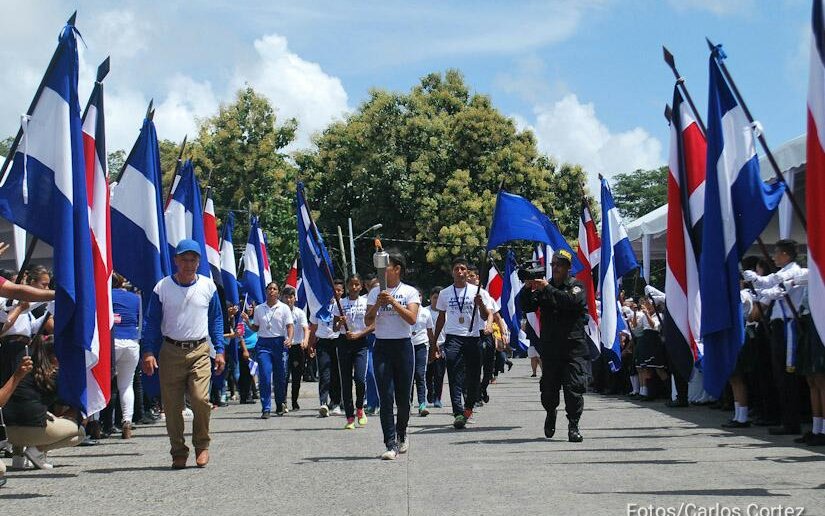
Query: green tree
column 640, row 192
column 427, row 165
column 239, row 151
column 5, row 145
column 115, row 161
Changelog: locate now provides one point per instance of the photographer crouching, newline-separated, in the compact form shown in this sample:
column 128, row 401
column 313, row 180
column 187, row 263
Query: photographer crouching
column 562, row 344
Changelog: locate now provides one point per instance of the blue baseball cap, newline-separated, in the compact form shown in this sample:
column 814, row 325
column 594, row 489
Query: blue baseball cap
column 187, row 245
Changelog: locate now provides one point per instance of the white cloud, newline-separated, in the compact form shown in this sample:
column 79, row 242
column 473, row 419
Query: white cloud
column 296, row 87
column 570, row 131
column 717, row 7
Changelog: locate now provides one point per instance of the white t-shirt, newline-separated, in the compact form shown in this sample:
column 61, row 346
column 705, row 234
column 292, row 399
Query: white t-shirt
column 457, row 303
column 388, row 324
column 185, row 308
column 354, row 310
column 324, row 329
column 301, row 325
column 422, row 324
column 272, row 321
column 26, row 324
column 434, row 316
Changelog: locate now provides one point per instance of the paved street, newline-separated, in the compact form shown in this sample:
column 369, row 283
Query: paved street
column 302, row 464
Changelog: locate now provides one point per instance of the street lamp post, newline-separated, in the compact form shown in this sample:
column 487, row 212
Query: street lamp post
column 353, row 239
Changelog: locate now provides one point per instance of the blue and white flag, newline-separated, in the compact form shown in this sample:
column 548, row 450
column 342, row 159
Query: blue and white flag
column 45, row 193
column 617, row 259
column 316, row 265
column 183, row 216
column 516, row 218
column 510, row 311
column 738, row 206
column 253, row 279
column 139, row 250
column 229, row 272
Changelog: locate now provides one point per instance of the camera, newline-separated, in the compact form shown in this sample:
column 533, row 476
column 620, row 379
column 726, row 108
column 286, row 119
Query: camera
column 531, row 271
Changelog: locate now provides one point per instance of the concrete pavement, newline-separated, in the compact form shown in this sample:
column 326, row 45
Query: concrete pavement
column 634, row 457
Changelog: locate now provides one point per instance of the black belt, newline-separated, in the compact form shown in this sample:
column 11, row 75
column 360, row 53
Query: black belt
column 185, row 344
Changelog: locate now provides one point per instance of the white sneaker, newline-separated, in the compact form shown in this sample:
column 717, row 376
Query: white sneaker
column 188, row 415
column 336, row 411
column 390, row 454
column 323, row 410
column 37, row 457
column 404, row 445
column 20, row 462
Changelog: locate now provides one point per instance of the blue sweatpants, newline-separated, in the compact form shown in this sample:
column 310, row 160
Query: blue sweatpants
column 394, row 365
column 271, row 371
column 352, row 366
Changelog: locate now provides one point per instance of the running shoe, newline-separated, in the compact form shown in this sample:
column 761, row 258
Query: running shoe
column 20, row 462
column 323, row 410
column 350, row 424
column 437, row 404
column 422, row 410
column 460, row 422
column 390, row 454
column 279, row 409
column 404, row 445
column 362, row 418
column 336, row 411
column 188, row 415
column 369, row 410
column 37, row 457
column 265, row 414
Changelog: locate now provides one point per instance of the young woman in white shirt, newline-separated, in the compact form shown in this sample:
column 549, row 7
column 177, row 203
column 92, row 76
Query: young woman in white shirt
column 422, row 333
column 353, row 351
column 274, row 323
column 394, row 311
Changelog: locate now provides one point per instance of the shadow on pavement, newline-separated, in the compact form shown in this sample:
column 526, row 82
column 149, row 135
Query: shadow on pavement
column 701, row 492
column 122, row 469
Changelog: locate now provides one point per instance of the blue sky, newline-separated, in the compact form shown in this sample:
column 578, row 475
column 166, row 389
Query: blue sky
column 586, row 75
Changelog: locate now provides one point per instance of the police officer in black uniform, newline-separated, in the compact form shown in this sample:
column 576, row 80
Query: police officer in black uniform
column 562, row 344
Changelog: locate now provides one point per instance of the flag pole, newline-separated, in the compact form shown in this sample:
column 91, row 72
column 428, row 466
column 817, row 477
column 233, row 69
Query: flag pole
column 680, row 81
column 718, row 56
column 150, row 113
column 178, row 165
column 52, row 63
column 327, row 272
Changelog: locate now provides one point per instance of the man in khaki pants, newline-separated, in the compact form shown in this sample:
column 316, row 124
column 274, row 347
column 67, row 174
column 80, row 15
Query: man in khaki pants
column 184, row 312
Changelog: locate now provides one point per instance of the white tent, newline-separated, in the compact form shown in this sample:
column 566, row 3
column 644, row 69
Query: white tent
column 648, row 233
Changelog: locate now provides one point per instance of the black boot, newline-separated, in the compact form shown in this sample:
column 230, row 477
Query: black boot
column 573, row 434
column 550, row 424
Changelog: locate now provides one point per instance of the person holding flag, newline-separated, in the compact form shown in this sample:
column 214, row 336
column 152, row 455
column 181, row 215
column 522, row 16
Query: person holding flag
column 562, row 346
column 184, row 312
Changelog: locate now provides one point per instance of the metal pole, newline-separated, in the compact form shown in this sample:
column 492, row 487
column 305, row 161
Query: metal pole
column 343, row 249
column 351, row 245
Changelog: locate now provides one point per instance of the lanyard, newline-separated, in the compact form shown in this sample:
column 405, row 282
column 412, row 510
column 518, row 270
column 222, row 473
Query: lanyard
column 463, row 299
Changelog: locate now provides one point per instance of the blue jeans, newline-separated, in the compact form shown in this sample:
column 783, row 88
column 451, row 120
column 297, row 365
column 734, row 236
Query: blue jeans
column 271, row 370
column 352, row 365
column 463, row 370
column 372, row 387
column 329, row 382
column 394, row 364
column 420, row 372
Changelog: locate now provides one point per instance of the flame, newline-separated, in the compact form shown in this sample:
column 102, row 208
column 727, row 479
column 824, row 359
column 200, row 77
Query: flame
column 378, row 246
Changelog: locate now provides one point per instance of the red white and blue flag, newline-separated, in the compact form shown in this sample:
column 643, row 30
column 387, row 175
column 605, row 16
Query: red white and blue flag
column 184, row 217
column 815, row 176
column 254, row 280
column 685, row 213
column 45, row 193
column 99, row 359
column 589, row 255
column 210, row 237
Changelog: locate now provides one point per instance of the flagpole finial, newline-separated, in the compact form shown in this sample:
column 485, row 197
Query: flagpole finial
column 103, row 70
column 72, row 19
column 150, row 111
column 668, row 113
column 711, row 46
column 669, row 59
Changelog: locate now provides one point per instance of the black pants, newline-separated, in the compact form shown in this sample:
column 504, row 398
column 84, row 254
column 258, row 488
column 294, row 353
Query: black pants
column 488, row 361
column 329, row 381
column 296, row 370
column 787, row 384
column 570, row 375
column 463, row 370
column 394, row 363
column 435, row 379
column 352, row 365
column 244, row 381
